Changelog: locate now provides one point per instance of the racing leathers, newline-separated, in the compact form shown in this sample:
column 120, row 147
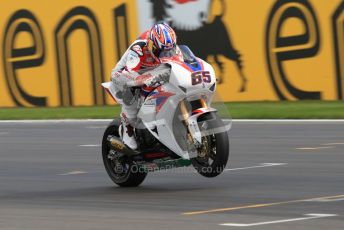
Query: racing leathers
column 125, row 77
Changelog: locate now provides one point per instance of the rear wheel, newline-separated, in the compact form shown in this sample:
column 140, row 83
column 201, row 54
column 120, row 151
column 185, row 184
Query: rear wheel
column 214, row 152
column 120, row 168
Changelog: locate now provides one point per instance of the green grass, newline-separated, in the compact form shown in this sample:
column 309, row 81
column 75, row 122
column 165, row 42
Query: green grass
column 82, row 112
column 288, row 110
column 238, row 110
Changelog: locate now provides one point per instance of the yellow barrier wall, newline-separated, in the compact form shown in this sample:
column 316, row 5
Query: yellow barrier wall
column 56, row 53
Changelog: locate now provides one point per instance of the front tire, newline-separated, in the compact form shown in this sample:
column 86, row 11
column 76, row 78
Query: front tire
column 213, row 162
column 122, row 170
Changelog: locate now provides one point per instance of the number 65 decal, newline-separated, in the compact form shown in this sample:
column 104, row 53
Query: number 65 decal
column 200, row 76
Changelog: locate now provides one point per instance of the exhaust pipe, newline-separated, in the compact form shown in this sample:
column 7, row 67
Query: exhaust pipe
column 118, row 146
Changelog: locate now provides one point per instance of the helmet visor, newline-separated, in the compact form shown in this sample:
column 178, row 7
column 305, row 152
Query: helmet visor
column 168, row 53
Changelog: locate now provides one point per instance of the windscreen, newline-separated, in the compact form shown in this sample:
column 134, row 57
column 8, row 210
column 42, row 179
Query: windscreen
column 168, row 53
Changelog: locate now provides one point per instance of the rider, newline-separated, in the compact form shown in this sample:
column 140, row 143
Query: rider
column 142, row 54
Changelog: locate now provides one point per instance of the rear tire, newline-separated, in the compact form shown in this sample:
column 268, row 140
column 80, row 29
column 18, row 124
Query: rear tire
column 215, row 161
column 122, row 171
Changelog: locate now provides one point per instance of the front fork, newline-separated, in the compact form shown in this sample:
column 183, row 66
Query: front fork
column 195, row 135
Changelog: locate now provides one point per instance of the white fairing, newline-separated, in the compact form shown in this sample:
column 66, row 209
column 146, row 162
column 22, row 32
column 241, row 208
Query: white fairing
column 158, row 111
column 163, row 117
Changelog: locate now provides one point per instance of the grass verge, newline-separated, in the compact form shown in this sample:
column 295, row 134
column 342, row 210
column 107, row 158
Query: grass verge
column 238, row 110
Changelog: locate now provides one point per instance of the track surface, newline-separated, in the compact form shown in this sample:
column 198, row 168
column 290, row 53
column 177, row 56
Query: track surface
column 52, row 177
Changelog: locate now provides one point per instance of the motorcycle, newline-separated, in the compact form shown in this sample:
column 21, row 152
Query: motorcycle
column 176, row 127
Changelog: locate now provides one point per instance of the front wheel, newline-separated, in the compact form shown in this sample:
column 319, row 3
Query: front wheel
column 120, row 168
column 214, row 152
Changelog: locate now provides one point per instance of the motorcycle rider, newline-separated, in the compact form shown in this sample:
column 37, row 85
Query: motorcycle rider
column 142, row 54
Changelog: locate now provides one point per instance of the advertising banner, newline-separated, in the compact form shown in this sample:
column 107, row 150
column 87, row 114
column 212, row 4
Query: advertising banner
column 58, row 53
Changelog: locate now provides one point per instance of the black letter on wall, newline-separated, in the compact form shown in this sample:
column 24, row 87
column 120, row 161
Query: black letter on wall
column 279, row 49
column 121, row 30
column 79, row 18
column 20, row 58
column 338, row 32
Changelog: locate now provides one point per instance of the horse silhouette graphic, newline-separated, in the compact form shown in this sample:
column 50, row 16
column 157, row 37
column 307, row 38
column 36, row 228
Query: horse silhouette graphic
column 189, row 18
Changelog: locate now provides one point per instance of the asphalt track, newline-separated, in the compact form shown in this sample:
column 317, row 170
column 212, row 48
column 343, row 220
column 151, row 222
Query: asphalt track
column 281, row 175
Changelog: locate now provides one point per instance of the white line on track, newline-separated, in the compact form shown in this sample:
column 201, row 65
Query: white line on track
column 298, row 121
column 192, row 170
column 95, row 127
column 333, row 144
column 95, row 145
column 57, row 121
column 308, row 217
column 72, row 173
column 315, row 148
column 263, row 121
column 262, row 165
column 327, row 199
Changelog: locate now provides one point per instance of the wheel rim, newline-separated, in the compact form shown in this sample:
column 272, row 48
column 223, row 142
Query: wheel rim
column 208, row 151
column 118, row 168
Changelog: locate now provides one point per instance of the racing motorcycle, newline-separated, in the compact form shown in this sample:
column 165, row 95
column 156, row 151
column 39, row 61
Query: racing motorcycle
column 176, row 126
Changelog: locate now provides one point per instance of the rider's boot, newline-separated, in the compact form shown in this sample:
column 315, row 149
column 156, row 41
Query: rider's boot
column 128, row 136
column 126, row 131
